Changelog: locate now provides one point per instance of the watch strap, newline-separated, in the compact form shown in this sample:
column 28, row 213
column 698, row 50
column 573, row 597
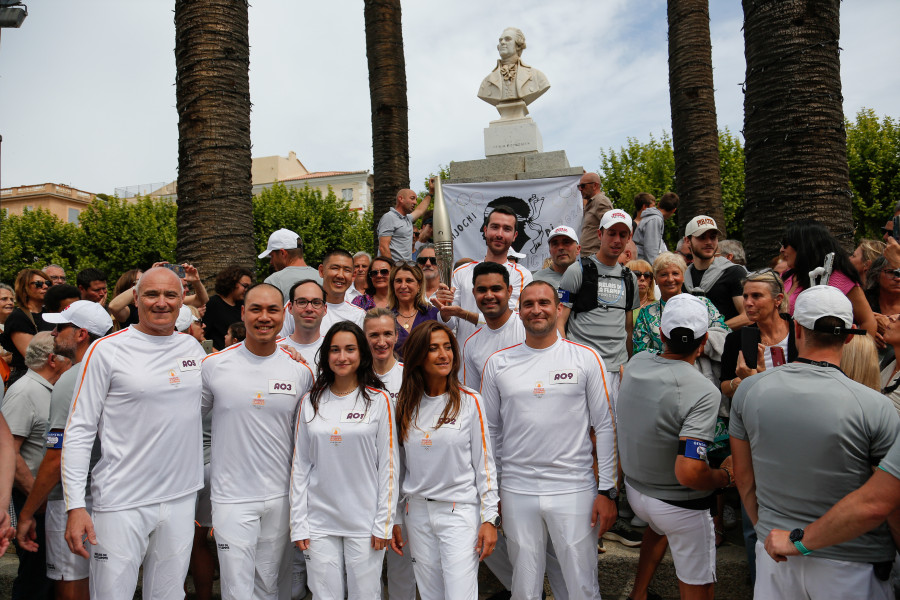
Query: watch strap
column 803, row 549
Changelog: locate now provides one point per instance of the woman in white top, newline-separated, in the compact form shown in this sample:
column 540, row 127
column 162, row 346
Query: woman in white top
column 380, row 327
column 344, row 475
column 449, row 480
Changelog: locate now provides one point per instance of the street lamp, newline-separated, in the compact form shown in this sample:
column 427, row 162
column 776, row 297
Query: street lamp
column 12, row 13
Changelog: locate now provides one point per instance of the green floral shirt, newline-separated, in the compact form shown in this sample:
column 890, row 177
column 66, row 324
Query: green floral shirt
column 646, row 327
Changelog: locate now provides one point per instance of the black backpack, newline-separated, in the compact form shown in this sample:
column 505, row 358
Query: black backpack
column 586, row 298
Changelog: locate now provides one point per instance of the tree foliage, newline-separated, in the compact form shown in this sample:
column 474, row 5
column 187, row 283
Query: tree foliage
column 35, row 239
column 118, row 235
column 650, row 167
column 324, row 222
column 873, row 153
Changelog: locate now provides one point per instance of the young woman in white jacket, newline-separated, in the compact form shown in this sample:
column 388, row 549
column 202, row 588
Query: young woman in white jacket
column 344, row 475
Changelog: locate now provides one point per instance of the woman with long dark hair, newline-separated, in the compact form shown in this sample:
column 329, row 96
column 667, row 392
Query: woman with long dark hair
column 804, row 245
column 449, row 481
column 344, row 475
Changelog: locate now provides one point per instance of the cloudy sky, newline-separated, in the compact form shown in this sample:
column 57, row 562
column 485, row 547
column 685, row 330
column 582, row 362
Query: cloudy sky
column 87, row 89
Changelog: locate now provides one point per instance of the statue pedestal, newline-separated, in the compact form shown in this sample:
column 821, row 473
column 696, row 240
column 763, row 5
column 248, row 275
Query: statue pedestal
column 509, row 167
column 512, row 136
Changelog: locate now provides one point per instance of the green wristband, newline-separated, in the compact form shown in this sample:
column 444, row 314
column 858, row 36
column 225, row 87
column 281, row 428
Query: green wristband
column 803, row 549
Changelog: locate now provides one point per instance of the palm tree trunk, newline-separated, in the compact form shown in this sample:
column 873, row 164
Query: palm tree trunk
column 795, row 141
column 387, row 90
column 695, row 135
column 212, row 91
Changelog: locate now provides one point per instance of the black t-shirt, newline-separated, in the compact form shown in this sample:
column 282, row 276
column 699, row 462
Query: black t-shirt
column 18, row 322
column 726, row 288
column 219, row 315
column 132, row 318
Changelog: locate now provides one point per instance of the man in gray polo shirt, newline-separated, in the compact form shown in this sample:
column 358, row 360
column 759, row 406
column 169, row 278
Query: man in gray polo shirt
column 666, row 417
column 77, row 328
column 802, row 437
column 564, row 251
column 27, row 410
column 595, row 309
column 285, row 252
column 395, row 229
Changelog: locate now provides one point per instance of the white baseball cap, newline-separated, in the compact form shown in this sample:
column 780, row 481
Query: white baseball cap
column 566, row 231
column 687, row 312
column 283, row 239
column 84, row 314
column 616, row 215
column 699, row 224
column 825, row 301
column 185, row 318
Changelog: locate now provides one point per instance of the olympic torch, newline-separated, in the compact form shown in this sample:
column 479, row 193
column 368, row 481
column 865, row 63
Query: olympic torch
column 443, row 236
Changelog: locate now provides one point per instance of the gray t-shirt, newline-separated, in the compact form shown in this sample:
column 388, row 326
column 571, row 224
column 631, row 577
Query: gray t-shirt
column 60, row 404
column 285, row 279
column 26, row 409
column 814, row 437
column 659, row 401
column 400, row 228
column 602, row 328
column 548, row 275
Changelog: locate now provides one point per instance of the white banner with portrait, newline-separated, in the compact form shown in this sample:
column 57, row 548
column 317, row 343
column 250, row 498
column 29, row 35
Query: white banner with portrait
column 541, row 206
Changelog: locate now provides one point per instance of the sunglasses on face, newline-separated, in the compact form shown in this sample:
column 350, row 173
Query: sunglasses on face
column 643, row 274
column 427, row 259
column 40, row 284
column 895, row 273
column 379, row 272
column 581, row 186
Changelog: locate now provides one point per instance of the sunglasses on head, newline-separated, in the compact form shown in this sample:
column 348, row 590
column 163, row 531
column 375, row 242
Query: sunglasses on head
column 381, row 272
column 427, row 259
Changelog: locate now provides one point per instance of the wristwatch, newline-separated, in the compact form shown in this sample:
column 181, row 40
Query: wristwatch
column 611, row 493
column 796, row 536
column 495, row 521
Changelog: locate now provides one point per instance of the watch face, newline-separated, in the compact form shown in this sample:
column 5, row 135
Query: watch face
column 796, row 535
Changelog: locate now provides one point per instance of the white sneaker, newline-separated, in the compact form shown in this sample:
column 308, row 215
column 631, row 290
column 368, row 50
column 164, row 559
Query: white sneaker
column 636, row 521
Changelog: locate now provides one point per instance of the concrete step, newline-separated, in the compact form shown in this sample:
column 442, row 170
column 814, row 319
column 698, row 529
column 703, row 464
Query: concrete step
column 616, row 573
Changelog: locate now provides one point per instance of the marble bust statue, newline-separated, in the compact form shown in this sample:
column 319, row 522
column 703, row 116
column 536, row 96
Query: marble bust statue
column 512, row 82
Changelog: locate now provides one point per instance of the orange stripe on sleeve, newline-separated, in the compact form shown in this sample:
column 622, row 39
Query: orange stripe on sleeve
column 484, row 366
column 87, row 362
column 608, row 405
column 483, row 440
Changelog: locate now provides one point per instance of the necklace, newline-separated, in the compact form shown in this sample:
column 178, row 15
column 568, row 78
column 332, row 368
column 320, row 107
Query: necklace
column 342, row 394
column 407, row 317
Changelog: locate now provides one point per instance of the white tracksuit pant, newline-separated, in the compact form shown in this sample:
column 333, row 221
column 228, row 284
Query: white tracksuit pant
column 401, row 580
column 298, row 573
column 252, row 540
column 158, row 535
column 528, row 520
column 501, row 566
column 442, row 537
column 330, row 557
